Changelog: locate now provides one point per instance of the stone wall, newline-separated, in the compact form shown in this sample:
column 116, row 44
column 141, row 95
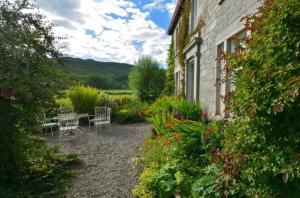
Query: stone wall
column 221, row 22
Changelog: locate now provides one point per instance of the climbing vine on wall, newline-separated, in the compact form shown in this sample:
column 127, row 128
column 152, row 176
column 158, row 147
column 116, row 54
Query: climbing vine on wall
column 170, row 83
column 182, row 40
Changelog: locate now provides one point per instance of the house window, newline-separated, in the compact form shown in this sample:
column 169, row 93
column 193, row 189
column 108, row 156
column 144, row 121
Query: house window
column 219, row 68
column 177, row 83
column 190, row 74
column 234, row 44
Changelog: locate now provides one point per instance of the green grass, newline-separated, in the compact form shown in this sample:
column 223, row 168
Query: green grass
column 119, row 92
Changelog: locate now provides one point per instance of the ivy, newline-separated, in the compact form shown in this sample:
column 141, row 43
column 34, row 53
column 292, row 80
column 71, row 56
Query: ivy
column 182, row 41
column 170, row 83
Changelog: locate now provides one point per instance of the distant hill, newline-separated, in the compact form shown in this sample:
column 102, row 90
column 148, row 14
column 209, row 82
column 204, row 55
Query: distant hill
column 103, row 75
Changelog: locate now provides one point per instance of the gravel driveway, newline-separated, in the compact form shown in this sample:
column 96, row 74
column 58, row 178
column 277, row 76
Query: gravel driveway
column 106, row 170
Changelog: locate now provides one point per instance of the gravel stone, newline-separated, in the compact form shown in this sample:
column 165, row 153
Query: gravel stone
column 106, row 170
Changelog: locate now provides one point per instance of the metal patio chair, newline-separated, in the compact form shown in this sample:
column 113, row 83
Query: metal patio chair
column 48, row 123
column 68, row 125
column 100, row 114
column 104, row 121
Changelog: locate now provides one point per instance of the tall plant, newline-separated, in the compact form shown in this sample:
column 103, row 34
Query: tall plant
column 170, row 83
column 27, row 85
column 147, row 79
column 261, row 146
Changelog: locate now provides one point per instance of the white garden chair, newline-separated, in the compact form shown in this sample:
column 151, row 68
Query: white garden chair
column 105, row 121
column 100, row 114
column 68, row 125
column 48, row 123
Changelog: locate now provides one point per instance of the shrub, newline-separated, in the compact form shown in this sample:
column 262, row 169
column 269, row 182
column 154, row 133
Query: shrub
column 166, row 108
column 147, row 79
column 28, row 82
column 261, row 146
column 176, row 158
column 205, row 186
column 131, row 112
column 84, row 99
column 63, row 102
column 170, row 82
column 179, row 107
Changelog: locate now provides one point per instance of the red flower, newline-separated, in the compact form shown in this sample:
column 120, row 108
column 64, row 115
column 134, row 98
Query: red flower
column 170, row 124
column 204, row 114
column 178, row 137
column 164, row 143
column 207, row 132
column 225, row 168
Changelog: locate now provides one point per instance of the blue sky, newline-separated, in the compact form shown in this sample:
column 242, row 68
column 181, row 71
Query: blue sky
column 111, row 30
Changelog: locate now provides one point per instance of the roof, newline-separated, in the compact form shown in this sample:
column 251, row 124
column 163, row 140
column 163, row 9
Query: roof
column 176, row 16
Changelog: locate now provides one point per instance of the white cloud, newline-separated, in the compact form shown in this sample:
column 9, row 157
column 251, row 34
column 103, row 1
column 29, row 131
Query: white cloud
column 161, row 5
column 115, row 30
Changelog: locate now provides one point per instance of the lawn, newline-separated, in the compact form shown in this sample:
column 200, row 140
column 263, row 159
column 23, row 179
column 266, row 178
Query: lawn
column 119, row 92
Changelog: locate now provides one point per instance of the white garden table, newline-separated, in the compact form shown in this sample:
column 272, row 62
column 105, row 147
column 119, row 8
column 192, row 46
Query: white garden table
column 70, row 116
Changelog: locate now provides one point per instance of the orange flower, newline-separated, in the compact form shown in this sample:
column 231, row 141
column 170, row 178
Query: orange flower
column 183, row 120
column 172, row 133
column 158, row 137
column 207, row 132
column 178, row 137
column 164, row 143
column 204, row 114
column 170, row 124
column 141, row 114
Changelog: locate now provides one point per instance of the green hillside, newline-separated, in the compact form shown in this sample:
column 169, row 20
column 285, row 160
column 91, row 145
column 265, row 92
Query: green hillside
column 103, row 75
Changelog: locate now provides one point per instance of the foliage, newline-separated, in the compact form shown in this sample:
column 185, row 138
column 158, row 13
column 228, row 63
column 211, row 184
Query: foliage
column 101, row 75
column 177, row 152
column 84, row 99
column 170, row 83
column 101, row 82
column 130, row 111
column 118, row 93
column 166, row 108
column 261, row 146
column 63, row 102
column 27, row 85
column 147, row 79
column 205, row 186
column 182, row 41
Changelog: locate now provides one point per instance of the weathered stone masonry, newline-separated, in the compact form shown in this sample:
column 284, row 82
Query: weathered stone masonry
column 202, row 73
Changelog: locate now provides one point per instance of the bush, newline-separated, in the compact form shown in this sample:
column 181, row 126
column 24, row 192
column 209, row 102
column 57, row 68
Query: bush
column 179, row 107
column 147, row 79
column 170, row 82
column 166, row 108
column 261, row 146
column 28, row 82
column 85, row 99
column 131, row 111
column 174, row 159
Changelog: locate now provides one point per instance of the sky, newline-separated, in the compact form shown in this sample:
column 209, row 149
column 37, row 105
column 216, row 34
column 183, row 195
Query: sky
column 111, row 30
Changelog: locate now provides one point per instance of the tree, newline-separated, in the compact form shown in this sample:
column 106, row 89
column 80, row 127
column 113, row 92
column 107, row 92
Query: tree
column 170, row 83
column 27, row 86
column 147, row 79
column 261, row 145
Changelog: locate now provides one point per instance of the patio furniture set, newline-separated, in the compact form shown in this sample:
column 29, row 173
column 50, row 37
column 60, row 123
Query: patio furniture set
column 66, row 120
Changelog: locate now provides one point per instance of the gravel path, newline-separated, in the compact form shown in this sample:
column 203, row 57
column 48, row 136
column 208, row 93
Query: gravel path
column 106, row 170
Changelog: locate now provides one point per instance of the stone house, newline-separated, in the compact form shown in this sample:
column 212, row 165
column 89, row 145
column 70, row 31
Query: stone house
column 203, row 70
